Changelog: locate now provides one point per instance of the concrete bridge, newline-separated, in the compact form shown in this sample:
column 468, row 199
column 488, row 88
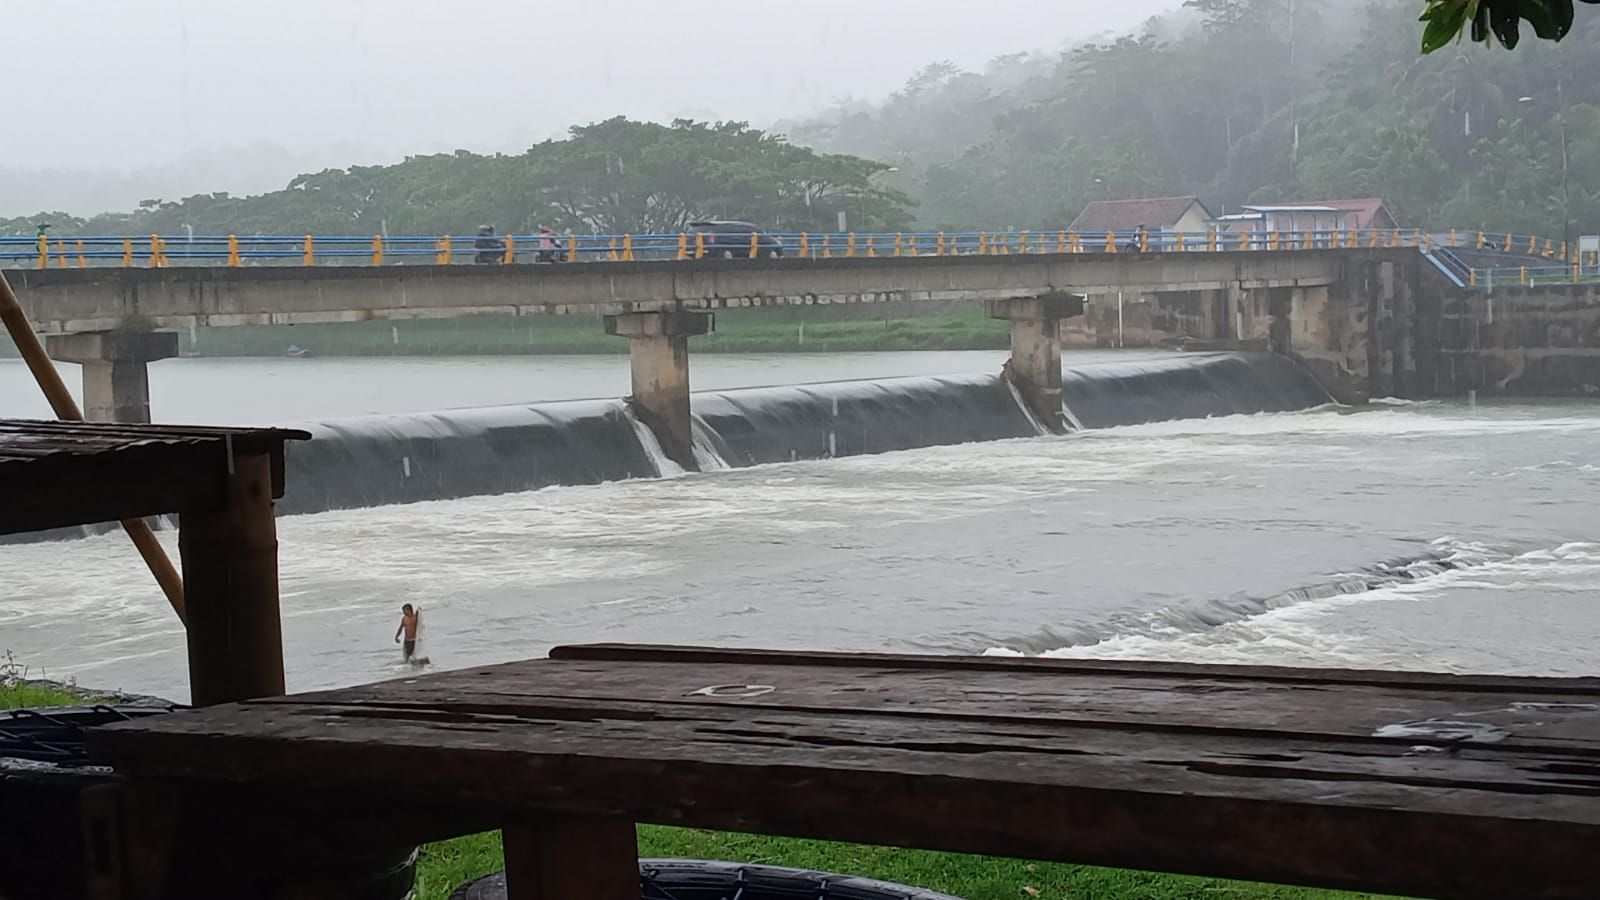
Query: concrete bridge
column 1368, row 321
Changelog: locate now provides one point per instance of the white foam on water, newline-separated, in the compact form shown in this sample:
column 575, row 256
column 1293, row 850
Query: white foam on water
column 1328, row 630
column 705, row 449
column 665, row 467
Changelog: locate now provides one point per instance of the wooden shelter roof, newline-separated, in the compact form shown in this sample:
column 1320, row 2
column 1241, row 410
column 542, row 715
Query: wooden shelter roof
column 55, row 474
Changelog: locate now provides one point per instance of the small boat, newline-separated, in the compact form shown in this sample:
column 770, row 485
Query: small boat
column 298, row 351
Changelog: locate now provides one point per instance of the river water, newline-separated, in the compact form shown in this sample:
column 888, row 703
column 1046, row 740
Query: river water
column 1286, row 538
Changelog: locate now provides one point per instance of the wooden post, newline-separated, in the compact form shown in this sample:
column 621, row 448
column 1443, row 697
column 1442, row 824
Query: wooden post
column 230, row 583
column 559, row 859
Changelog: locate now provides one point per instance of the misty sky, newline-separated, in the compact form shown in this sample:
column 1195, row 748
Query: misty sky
column 124, row 85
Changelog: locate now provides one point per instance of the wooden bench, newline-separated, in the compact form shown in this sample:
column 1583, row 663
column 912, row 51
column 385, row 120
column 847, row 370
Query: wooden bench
column 1431, row 785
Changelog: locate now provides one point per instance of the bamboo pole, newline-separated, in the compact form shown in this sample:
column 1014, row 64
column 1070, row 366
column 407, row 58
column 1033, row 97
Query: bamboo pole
column 55, row 390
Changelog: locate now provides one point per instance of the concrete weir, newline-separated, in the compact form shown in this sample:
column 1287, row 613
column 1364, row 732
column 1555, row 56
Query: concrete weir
column 658, row 350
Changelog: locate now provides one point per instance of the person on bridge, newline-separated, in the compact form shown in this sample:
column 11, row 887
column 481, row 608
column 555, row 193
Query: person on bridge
column 410, row 621
column 549, row 250
column 491, row 249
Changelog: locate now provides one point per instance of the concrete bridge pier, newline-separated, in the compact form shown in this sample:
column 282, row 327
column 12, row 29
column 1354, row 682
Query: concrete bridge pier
column 1035, row 365
column 116, row 384
column 658, row 349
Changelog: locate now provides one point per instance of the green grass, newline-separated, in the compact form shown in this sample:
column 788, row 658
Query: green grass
column 778, row 330
column 13, row 696
column 450, row 863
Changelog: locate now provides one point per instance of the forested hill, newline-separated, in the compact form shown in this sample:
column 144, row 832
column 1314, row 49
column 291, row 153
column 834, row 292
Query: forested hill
column 1233, row 100
column 1208, row 101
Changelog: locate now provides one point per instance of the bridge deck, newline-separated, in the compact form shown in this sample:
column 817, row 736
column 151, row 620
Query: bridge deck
column 1425, row 784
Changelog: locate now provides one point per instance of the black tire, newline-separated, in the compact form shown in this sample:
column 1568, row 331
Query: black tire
column 45, row 765
column 699, row 879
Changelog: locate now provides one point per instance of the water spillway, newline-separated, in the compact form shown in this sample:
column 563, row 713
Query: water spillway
column 381, row 460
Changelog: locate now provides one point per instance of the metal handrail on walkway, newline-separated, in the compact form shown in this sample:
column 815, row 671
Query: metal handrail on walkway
column 1512, row 259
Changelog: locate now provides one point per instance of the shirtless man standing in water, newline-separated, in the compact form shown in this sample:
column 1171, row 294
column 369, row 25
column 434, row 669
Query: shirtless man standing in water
column 409, row 619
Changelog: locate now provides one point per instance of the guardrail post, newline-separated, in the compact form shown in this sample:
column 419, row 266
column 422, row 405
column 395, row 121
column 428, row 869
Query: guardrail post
column 1549, row 248
column 511, row 250
column 157, row 259
column 1523, row 277
column 683, row 245
column 311, row 252
column 827, row 246
column 61, row 254
column 233, row 251
column 700, row 245
column 1073, row 245
column 1022, row 243
column 44, row 252
column 1177, row 241
column 1453, row 244
column 611, row 247
column 82, row 263
column 805, row 245
column 1061, row 242
column 1144, row 242
column 1533, row 245
column 1472, row 277
column 445, row 251
column 1244, row 239
column 755, row 245
column 572, row 248
column 1563, row 254
column 1482, row 239
column 627, row 247
column 1575, row 273
column 899, row 244
column 1111, row 242
column 127, row 252
column 850, row 244
column 377, row 249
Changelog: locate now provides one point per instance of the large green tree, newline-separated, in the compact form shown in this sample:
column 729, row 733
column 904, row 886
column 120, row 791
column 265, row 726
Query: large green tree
column 616, row 176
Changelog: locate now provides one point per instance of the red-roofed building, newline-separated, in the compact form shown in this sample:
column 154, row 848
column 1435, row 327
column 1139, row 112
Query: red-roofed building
column 1158, row 215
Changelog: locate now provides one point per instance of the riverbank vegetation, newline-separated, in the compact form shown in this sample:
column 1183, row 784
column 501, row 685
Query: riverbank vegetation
column 826, row 329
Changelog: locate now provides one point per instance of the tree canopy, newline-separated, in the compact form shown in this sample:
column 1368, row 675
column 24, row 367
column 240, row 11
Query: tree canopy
column 1236, row 101
column 1241, row 101
column 615, row 176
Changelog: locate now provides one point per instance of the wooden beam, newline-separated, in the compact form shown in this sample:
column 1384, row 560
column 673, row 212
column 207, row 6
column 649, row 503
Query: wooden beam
column 230, row 574
column 563, row 857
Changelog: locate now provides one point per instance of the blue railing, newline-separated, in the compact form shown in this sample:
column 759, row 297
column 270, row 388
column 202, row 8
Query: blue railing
column 1471, row 259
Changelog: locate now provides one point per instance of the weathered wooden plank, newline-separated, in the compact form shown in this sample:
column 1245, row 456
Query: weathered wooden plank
column 1221, row 806
column 1119, row 698
column 56, row 474
column 1535, row 783
column 1139, row 668
column 565, row 857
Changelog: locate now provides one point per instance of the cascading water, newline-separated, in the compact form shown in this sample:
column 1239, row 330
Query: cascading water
column 648, row 442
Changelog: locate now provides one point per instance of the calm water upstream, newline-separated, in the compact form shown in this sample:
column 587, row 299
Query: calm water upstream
column 1250, row 538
